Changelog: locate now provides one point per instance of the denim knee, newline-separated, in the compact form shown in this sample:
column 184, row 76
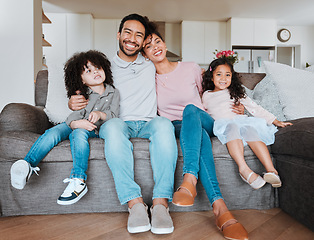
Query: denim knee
column 162, row 125
column 190, row 109
column 112, row 127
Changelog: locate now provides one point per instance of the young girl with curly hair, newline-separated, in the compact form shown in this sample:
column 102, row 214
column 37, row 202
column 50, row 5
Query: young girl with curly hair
column 87, row 73
column 222, row 89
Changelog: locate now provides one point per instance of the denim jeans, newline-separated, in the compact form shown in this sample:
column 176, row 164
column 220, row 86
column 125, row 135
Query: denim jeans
column 119, row 155
column 195, row 131
column 80, row 151
column 46, row 142
column 57, row 134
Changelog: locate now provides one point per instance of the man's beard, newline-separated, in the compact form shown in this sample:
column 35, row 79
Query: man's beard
column 128, row 54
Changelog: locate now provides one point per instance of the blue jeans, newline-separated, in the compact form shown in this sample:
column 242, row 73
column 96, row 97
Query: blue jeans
column 195, row 131
column 80, row 151
column 46, row 142
column 119, row 155
column 57, row 134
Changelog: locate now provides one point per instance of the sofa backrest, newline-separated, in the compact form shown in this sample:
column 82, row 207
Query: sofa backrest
column 251, row 79
column 41, row 86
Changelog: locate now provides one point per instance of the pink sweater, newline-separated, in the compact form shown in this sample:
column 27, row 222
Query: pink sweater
column 218, row 105
column 177, row 89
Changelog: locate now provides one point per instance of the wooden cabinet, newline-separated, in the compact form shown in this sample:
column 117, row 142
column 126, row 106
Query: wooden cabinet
column 251, row 32
column 200, row 39
column 45, row 19
column 69, row 33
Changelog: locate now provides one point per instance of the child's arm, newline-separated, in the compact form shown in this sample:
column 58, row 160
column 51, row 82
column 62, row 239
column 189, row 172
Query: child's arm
column 83, row 123
column 94, row 116
column 281, row 124
column 108, row 113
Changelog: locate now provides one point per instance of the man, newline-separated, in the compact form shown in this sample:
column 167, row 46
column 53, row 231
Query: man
column 134, row 77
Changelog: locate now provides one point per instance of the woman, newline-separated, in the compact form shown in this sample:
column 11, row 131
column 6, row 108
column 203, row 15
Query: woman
column 178, row 87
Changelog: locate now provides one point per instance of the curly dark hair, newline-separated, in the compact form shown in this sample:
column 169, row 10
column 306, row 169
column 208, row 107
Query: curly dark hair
column 236, row 89
column 75, row 66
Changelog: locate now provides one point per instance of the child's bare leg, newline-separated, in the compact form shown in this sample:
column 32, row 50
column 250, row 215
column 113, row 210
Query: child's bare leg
column 236, row 151
column 261, row 151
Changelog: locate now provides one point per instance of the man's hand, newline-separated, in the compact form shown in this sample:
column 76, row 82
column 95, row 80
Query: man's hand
column 83, row 123
column 238, row 109
column 77, row 102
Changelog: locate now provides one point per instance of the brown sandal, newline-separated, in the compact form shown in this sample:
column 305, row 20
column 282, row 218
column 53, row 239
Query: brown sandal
column 185, row 199
column 234, row 231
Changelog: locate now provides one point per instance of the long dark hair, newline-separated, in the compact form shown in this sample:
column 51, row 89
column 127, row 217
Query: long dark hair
column 75, row 66
column 236, row 90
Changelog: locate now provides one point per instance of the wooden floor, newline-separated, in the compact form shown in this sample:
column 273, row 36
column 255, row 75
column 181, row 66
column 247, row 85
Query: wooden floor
column 264, row 225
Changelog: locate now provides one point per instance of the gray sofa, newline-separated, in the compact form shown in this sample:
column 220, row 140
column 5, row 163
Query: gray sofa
column 21, row 124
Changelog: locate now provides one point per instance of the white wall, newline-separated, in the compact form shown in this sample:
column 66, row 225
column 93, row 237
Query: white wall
column 19, row 54
column 303, row 37
column 105, row 36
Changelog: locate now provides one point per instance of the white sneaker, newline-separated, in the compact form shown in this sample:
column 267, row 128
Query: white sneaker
column 73, row 192
column 21, row 171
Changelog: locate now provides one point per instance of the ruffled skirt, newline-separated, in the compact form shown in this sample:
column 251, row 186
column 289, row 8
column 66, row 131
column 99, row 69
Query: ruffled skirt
column 248, row 129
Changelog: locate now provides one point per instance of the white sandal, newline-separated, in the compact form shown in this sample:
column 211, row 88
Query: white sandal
column 257, row 183
column 273, row 179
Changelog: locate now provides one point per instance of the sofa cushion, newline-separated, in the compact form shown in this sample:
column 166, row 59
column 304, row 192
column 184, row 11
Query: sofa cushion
column 57, row 102
column 62, row 152
column 265, row 94
column 295, row 89
column 296, row 140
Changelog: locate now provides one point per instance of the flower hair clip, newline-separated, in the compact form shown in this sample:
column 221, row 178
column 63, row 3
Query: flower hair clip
column 210, row 69
column 230, row 55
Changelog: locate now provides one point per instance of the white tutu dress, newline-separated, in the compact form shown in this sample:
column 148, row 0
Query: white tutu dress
column 229, row 126
column 248, row 129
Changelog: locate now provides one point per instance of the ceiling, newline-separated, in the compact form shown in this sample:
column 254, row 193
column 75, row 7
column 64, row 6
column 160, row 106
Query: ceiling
column 286, row 12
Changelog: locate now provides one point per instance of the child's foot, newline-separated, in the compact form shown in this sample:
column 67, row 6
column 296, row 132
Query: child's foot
column 257, row 183
column 21, row 171
column 273, row 179
column 73, row 192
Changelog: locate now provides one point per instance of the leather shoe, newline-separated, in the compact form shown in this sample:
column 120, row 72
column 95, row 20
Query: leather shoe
column 185, row 199
column 234, row 231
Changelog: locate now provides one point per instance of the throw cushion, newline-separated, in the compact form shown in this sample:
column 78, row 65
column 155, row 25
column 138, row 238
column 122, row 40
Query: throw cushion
column 248, row 92
column 57, row 102
column 265, row 94
column 295, row 89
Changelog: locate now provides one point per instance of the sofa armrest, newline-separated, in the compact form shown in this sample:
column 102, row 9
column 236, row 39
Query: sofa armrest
column 23, row 117
column 296, row 140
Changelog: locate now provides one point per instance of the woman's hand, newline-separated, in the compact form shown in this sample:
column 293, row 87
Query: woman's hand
column 83, row 123
column 238, row 109
column 281, row 124
column 77, row 102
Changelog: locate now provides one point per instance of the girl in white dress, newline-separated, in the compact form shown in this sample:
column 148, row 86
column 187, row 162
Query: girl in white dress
column 222, row 89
